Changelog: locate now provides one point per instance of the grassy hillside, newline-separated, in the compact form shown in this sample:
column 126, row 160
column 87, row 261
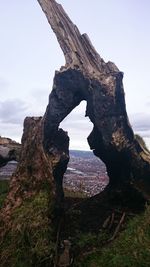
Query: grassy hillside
column 4, row 186
column 34, row 247
column 29, row 241
column 130, row 249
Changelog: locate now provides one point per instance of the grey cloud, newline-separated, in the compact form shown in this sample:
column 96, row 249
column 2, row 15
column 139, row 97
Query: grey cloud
column 38, row 101
column 4, row 84
column 77, row 124
column 78, row 114
column 40, row 93
column 148, row 101
column 78, row 129
column 13, row 111
column 140, row 121
column 10, row 130
column 144, row 134
column 75, row 115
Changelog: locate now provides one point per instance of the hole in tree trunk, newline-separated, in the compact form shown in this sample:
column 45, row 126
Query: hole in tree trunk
column 86, row 174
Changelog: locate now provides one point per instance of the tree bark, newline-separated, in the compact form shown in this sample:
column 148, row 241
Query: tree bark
column 86, row 76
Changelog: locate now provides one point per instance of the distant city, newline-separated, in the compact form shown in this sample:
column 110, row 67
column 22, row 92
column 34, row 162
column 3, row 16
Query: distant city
column 85, row 173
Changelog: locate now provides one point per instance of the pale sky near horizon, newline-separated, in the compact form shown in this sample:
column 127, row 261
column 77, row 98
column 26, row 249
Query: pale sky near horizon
column 30, row 54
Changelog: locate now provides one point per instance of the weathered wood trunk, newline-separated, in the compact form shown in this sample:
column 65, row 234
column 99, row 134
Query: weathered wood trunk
column 29, row 218
column 86, row 76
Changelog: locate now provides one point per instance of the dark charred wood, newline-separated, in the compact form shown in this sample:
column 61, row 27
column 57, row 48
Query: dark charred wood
column 87, row 77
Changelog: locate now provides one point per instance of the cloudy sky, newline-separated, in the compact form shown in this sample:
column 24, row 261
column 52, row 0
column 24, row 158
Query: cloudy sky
column 30, row 54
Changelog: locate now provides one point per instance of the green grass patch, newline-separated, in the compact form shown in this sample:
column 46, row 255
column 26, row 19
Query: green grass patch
column 74, row 194
column 4, row 187
column 86, row 241
column 130, row 249
column 29, row 241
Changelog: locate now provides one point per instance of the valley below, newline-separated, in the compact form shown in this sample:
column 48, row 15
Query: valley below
column 85, row 173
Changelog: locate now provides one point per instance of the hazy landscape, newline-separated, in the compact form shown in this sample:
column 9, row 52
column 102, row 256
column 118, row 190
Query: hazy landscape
column 85, row 173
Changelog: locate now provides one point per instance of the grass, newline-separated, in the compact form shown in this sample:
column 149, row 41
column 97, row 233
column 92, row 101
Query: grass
column 29, row 241
column 130, row 249
column 74, row 194
column 141, row 142
column 84, row 243
column 4, row 187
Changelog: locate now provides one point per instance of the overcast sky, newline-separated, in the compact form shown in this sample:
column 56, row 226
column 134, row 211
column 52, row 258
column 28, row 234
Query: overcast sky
column 30, row 54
